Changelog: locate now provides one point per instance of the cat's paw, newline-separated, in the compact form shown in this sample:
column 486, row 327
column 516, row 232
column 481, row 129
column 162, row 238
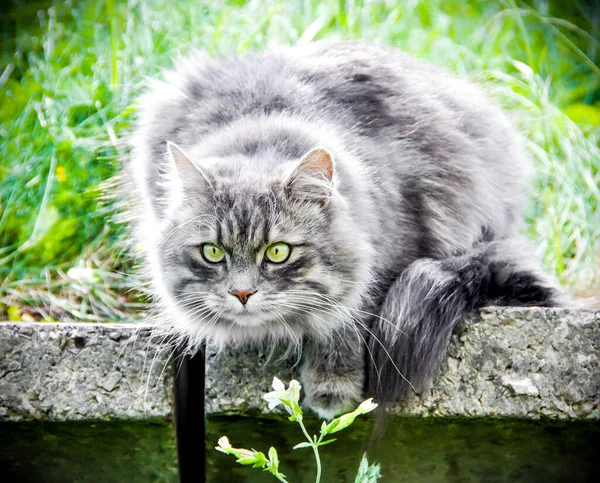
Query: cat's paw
column 333, row 397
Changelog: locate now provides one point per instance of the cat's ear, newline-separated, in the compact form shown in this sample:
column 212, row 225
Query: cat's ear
column 312, row 178
column 184, row 169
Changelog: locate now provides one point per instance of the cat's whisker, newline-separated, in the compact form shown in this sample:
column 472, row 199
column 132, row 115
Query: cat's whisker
column 331, row 308
column 309, row 311
column 167, row 361
column 333, row 301
column 364, row 327
column 289, row 330
column 131, row 339
column 181, row 225
column 304, row 310
column 208, row 325
column 388, row 355
column 377, row 371
column 157, row 354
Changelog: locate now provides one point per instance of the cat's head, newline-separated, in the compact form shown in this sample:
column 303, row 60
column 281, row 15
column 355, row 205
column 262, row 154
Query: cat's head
column 253, row 251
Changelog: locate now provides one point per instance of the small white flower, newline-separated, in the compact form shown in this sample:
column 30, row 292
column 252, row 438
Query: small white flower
column 273, row 399
column 223, row 445
column 367, row 406
column 278, row 385
column 287, row 397
column 294, row 390
column 347, row 419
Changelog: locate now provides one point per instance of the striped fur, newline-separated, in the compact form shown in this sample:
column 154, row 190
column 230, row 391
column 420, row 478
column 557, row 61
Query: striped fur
column 408, row 222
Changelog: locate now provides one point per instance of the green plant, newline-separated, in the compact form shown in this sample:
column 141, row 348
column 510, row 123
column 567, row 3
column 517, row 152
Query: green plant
column 70, row 73
column 289, row 398
column 367, row 473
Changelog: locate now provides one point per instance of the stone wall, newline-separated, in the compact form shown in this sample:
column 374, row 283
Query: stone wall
column 508, row 362
column 70, row 372
column 86, row 402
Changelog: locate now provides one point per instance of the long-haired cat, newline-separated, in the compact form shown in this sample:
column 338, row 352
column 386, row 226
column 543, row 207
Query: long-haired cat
column 342, row 196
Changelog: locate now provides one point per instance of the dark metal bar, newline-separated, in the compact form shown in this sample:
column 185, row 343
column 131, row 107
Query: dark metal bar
column 189, row 417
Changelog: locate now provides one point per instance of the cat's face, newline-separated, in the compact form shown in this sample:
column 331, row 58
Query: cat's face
column 245, row 255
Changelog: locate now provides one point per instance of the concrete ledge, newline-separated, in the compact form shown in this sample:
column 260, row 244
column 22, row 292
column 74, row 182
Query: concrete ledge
column 509, row 363
column 70, row 372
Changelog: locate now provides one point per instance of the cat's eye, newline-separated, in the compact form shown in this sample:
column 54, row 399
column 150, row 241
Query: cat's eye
column 212, row 253
column 278, row 252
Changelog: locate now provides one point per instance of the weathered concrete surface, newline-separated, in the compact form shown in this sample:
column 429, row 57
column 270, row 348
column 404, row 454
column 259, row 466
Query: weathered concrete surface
column 510, row 362
column 61, row 372
column 521, row 363
column 237, row 379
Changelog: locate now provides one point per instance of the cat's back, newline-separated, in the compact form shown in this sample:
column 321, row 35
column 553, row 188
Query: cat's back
column 371, row 91
column 355, row 84
column 426, row 135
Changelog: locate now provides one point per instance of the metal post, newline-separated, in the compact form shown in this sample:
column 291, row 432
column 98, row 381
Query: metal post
column 189, row 416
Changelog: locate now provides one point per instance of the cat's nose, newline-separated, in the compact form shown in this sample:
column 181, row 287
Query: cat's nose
column 243, row 295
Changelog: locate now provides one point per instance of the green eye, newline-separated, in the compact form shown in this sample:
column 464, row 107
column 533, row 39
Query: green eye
column 212, row 253
column 278, row 252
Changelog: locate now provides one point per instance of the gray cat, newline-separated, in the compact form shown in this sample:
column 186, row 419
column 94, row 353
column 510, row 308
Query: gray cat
column 340, row 196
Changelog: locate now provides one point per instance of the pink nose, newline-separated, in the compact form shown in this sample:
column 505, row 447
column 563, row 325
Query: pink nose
column 243, row 295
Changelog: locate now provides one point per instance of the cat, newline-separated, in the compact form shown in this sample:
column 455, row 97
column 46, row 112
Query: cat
column 341, row 196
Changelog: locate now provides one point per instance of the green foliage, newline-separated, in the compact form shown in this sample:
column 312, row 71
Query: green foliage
column 289, row 398
column 70, row 73
column 367, row 473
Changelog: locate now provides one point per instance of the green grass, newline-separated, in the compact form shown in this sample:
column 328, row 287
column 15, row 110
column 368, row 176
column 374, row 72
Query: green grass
column 70, row 73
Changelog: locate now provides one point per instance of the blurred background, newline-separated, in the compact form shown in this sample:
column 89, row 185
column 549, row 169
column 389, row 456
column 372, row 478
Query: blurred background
column 70, row 73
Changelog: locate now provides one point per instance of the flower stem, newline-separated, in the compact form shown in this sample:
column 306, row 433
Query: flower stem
column 315, row 450
column 280, row 478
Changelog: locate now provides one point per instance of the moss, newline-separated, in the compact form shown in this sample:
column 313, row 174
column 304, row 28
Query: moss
column 423, row 450
column 88, row 452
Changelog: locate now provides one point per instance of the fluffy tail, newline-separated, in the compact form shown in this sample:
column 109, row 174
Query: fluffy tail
column 430, row 298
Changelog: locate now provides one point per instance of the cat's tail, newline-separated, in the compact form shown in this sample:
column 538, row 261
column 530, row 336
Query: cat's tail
column 431, row 297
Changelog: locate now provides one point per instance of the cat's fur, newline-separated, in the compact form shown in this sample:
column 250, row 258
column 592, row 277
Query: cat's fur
column 403, row 221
